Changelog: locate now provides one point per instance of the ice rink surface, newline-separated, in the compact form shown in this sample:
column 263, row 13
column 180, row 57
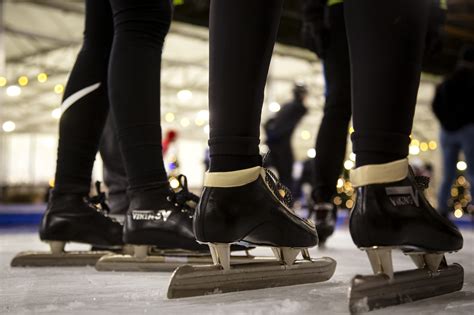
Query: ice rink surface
column 86, row 291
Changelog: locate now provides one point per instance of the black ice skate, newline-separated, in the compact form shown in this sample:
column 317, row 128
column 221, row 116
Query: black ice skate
column 249, row 205
column 73, row 218
column 325, row 216
column 391, row 212
column 162, row 239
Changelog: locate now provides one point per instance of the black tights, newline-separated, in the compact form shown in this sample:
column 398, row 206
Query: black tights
column 331, row 141
column 120, row 60
column 385, row 43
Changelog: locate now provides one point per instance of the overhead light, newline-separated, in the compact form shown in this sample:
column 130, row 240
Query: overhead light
column 274, row 107
column 461, row 165
column 414, row 149
column 348, row 164
column 13, row 90
column 23, row 80
column 184, row 95
column 58, row 88
column 42, row 77
column 169, row 117
column 8, row 126
column 305, row 135
column 202, row 117
column 184, row 122
column 56, row 113
column 3, row 81
column 311, row 153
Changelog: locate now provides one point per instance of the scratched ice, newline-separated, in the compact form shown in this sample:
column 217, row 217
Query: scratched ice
column 86, row 291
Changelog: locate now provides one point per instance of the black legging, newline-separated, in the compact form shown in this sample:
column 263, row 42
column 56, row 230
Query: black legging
column 131, row 79
column 331, row 141
column 386, row 43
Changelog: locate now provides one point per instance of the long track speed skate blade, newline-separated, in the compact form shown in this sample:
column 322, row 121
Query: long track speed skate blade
column 377, row 291
column 64, row 259
column 189, row 280
column 167, row 262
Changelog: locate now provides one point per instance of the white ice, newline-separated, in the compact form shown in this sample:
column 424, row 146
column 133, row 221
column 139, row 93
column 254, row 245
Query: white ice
column 86, row 291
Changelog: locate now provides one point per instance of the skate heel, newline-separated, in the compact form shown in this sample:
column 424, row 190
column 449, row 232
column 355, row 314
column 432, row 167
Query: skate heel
column 432, row 261
column 140, row 251
column 57, row 247
column 380, row 259
column 220, row 253
column 287, row 255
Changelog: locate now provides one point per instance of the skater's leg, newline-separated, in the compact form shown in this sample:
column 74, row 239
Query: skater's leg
column 241, row 200
column 391, row 210
column 331, row 141
column 332, row 136
column 134, row 71
column 236, row 91
column 115, row 177
column 156, row 216
column 386, row 67
column 85, row 103
column 450, row 150
column 70, row 216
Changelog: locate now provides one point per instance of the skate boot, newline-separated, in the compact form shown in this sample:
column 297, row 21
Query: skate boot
column 249, row 205
column 391, row 212
column 325, row 216
column 161, row 235
column 73, row 218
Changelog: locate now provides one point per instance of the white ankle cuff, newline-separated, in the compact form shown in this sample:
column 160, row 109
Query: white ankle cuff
column 380, row 173
column 233, row 178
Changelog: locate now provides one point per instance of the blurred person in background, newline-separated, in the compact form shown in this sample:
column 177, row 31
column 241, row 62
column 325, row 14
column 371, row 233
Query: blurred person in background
column 453, row 105
column 279, row 130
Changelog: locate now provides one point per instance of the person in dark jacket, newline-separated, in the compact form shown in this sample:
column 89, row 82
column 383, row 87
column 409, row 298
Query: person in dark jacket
column 279, row 130
column 454, row 107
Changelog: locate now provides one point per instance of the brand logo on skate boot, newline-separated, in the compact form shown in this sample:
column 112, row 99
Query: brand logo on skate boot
column 149, row 215
column 402, row 196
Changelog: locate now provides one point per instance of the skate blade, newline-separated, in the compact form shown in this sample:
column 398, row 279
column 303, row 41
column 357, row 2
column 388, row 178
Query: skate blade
column 64, row 259
column 377, row 291
column 162, row 262
column 189, row 280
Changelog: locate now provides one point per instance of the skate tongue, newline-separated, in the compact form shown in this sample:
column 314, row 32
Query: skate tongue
column 99, row 199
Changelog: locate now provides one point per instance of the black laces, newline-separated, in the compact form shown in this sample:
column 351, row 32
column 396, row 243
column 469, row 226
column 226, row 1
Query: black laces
column 422, row 182
column 279, row 190
column 184, row 199
column 99, row 199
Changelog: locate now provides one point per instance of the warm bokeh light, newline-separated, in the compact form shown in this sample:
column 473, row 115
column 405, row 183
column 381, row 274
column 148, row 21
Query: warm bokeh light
column 432, row 145
column 458, row 213
column 305, row 135
column 311, row 153
column 169, row 117
column 348, row 164
column 352, row 156
column 42, row 77
column 23, row 80
column 184, row 122
column 424, row 146
column 3, row 81
column 184, row 95
column 58, row 88
column 414, row 149
column 174, row 183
